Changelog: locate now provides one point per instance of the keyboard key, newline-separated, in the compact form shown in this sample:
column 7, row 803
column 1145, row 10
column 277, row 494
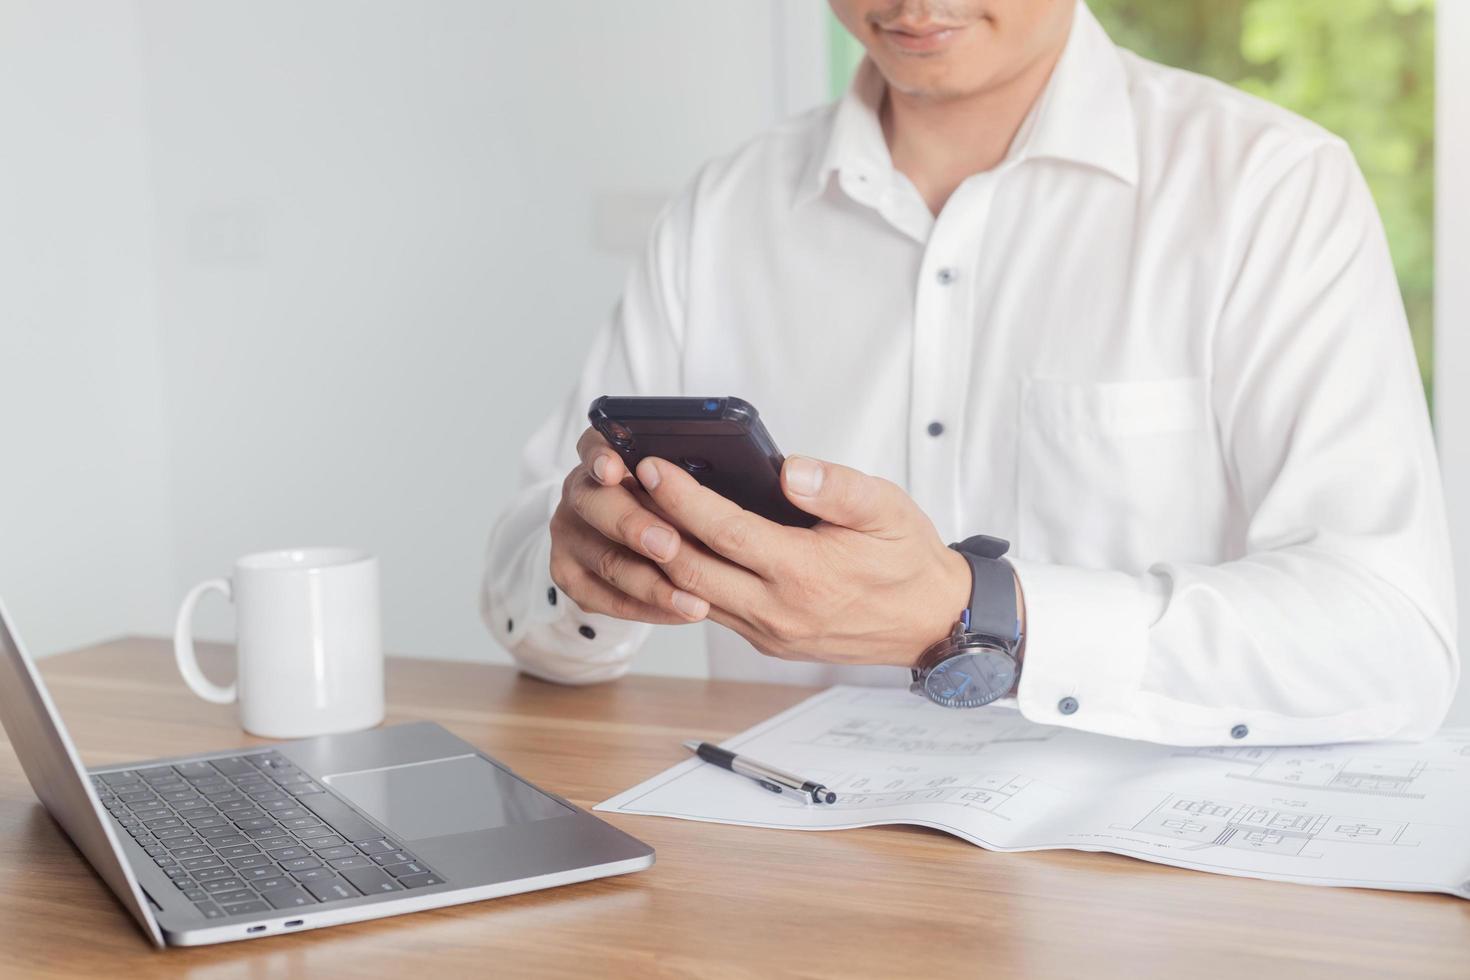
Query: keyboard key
column 287, row 853
column 269, row 760
column 168, row 833
column 280, row 807
column 263, row 833
column 137, row 797
column 392, row 857
column 229, row 806
column 287, row 898
column 215, row 833
column 195, row 894
column 198, row 850
column 420, row 881
column 233, row 767
column 340, row 851
column 119, row 778
column 226, row 795
column 176, row 872
column 256, row 781
column 301, row 864
column 352, row 863
column 406, row 870
column 267, row 796
column 210, row 910
column 247, row 908
column 292, row 778
column 184, row 806
column 208, row 861
column 208, row 820
column 371, row 881
column 315, row 874
column 229, row 840
column 329, row 891
column 237, row 850
column 253, row 875
column 213, row 874
column 252, row 861
column 275, row 844
column 179, row 843
column 272, row 883
column 322, row 843
column 196, row 770
column 155, row 850
column 162, row 823
column 303, row 789
column 176, row 795
column 300, row 823
column 252, row 823
column 147, row 806
column 229, row 884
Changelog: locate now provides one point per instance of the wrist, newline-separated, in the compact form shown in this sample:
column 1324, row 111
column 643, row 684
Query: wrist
column 950, row 590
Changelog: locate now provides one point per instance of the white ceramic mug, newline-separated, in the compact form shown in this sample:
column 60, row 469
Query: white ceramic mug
column 307, row 637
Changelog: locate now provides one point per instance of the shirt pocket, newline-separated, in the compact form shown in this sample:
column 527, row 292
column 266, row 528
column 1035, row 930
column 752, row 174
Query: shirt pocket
column 1111, row 473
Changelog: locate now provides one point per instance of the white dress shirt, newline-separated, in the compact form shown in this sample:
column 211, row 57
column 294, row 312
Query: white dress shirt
column 1160, row 348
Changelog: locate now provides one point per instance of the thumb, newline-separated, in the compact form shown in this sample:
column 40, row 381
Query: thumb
column 841, row 495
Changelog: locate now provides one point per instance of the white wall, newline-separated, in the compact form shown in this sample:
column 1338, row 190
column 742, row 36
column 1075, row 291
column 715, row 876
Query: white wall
column 85, row 547
column 373, row 240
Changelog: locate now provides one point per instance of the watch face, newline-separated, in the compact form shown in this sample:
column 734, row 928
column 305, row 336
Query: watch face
column 971, row 679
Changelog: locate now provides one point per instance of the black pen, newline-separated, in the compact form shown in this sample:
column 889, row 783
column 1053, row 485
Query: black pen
column 767, row 777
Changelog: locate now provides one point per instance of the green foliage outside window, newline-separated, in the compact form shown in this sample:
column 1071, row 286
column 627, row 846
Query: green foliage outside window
column 1363, row 69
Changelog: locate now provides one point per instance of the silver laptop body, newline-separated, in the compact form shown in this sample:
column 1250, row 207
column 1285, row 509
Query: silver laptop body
column 376, row 823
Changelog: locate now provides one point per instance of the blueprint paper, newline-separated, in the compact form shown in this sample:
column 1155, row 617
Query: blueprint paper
column 1374, row 815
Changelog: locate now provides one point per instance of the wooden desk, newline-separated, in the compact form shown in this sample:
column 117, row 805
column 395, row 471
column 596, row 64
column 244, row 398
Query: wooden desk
column 721, row 902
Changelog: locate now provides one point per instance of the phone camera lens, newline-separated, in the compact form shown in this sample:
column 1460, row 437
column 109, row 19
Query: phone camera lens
column 619, row 434
column 711, row 405
column 696, row 464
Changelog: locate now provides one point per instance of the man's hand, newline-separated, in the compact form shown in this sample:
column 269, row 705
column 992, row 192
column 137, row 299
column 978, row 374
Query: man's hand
column 872, row 584
column 605, row 540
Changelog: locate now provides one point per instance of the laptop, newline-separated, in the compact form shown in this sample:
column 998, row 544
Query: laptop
column 224, row 846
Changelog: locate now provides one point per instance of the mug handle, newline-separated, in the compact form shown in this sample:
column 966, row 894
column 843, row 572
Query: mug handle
column 184, row 643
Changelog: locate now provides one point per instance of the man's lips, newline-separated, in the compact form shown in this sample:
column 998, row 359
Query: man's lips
column 919, row 38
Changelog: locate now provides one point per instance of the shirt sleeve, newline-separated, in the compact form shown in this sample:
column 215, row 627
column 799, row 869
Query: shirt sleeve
column 1338, row 621
column 637, row 352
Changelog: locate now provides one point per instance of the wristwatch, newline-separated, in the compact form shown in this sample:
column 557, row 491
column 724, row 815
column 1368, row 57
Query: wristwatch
column 979, row 661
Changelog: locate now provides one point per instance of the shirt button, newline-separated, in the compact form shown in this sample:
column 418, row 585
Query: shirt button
column 946, row 275
column 588, row 632
column 935, row 429
column 551, row 595
column 1067, row 706
column 1239, row 731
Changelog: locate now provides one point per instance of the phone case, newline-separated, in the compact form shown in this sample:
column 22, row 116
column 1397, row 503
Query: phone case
column 721, row 442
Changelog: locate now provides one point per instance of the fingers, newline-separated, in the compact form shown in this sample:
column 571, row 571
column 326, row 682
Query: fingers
column 616, row 513
column 744, row 538
column 844, row 496
column 605, row 465
column 603, row 576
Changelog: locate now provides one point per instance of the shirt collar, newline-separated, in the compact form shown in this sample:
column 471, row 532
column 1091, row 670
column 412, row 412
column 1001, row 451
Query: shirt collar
column 1084, row 116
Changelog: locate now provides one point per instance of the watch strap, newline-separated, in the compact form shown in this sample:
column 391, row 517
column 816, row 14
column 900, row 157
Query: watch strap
column 992, row 609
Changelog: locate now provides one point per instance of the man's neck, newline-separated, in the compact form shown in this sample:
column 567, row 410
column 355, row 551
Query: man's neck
column 937, row 143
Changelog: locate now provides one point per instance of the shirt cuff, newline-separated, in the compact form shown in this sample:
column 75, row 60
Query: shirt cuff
column 548, row 634
column 1086, row 643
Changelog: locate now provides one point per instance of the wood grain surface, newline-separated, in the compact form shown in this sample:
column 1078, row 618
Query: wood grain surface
column 722, row 902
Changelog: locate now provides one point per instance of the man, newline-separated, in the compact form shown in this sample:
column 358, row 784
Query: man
column 1019, row 282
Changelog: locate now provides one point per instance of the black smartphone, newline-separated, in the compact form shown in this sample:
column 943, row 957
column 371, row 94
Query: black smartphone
column 719, row 441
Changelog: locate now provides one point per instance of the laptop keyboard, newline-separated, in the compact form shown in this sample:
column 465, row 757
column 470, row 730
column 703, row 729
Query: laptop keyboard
column 251, row 834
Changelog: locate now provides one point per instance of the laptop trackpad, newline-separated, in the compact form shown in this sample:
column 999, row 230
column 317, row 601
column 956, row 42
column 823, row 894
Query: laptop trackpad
column 444, row 796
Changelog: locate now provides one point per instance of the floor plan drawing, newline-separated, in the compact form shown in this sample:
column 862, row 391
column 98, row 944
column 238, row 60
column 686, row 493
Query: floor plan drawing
column 1393, row 815
column 1245, row 826
column 981, row 791
column 1321, row 768
column 915, row 738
